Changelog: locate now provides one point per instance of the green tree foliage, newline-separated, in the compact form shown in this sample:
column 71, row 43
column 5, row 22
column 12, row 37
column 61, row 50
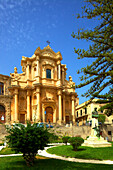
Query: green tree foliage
column 76, row 142
column 27, row 140
column 100, row 73
column 65, row 139
column 101, row 118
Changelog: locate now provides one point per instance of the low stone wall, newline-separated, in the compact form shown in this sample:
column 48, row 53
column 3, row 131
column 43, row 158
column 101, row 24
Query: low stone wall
column 3, row 133
column 82, row 131
column 107, row 132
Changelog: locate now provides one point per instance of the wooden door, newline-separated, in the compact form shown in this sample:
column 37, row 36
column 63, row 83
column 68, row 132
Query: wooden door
column 22, row 118
column 49, row 114
column 67, row 119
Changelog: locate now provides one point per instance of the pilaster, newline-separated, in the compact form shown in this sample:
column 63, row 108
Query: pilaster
column 38, row 104
column 60, row 106
column 73, row 109
column 16, row 105
column 64, row 116
column 28, row 105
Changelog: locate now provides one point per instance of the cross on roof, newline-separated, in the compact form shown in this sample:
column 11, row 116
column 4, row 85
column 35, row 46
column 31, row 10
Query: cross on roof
column 48, row 42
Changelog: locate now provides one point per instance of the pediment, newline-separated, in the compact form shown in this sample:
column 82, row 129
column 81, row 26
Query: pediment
column 48, row 52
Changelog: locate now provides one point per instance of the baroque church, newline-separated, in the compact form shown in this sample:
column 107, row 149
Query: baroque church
column 40, row 93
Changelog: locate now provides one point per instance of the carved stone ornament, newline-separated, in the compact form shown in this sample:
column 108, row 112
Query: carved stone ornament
column 15, row 70
column 22, row 101
column 23, row 68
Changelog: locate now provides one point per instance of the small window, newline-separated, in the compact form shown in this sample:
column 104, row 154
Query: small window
column 109, row 132
column 1, row 88
column 30, row 69
column 81, row 112
column 77, row 113
column 101, row 111
column 48, row 73
column 85, row 110
column 95, row 109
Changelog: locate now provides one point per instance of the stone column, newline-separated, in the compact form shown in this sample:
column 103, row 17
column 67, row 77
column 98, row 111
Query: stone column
column 38, row 105
column 28, row 105
column 64, row 114
column 54, row 116
column 59, row 70
column 73, row 109
column 38, row 69
column 56, row 77
column 4, row 89
column 43, row 113
column 60, row 106
column 27, row 71
column 63, row 76
column 16, row 105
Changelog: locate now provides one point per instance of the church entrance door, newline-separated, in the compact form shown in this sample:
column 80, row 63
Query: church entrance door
column 22, row 118
column 49, row 114
column 67, row 119
column 2, row 114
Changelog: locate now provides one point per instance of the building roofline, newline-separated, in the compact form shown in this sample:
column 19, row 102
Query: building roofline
column 4, row 75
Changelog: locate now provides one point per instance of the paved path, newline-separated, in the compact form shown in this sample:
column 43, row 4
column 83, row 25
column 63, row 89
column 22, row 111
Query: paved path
column 44, row 153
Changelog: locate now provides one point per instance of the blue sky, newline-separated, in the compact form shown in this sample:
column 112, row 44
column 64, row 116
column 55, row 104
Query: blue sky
column 28, row 24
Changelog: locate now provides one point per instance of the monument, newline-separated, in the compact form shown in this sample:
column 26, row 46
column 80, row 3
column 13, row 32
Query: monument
column 95, row 140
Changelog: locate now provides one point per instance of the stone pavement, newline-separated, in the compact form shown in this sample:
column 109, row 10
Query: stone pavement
column 45, row 154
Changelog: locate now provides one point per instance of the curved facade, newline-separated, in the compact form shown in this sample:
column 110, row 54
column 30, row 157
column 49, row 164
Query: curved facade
column 41, row 92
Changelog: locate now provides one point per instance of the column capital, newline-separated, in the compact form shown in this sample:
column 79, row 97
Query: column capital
column 37, row 90
column 16, row 91
column 59, row 92
column 28, row 92
column 72, row 97
column 37, row 58
column 58, row 62
column 28, row 63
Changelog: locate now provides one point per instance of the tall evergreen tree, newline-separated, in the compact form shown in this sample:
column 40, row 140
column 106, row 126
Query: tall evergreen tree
column 100, row 73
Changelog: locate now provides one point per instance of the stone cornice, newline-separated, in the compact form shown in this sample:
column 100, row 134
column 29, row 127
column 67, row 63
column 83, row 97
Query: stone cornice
column 4, row 76
column 5, row 96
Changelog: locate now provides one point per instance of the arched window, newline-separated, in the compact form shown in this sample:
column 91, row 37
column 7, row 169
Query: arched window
column 1, row 88
column 2, row 114
column 48, row 73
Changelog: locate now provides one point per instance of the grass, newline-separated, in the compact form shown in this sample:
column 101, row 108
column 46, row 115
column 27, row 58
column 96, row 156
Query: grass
column 46, row 164
column 7, row 151
column 83, row 152
column 1, row 144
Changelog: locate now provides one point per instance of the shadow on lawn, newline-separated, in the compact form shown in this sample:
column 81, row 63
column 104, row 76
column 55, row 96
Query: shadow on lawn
column 47, row 164
column 80, row 149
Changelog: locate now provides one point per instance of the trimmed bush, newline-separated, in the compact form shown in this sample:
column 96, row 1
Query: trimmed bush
column 52, row 138
column 65, row 139
column 27, row 140
column 76, row 142
column 1, row 144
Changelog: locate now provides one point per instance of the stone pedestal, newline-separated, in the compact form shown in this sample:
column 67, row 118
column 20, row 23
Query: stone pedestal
column 96, row 142
column 93, row 140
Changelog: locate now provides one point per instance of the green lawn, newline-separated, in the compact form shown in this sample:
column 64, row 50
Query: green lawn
column 48, row 164
column 7, row 151
column 83, row 152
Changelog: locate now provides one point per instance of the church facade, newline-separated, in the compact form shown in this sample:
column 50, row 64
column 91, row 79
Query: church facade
column 40, row 93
